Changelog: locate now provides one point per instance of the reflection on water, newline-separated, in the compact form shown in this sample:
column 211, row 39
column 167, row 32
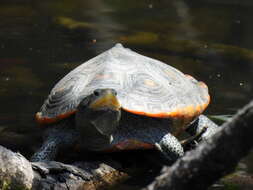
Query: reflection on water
column 43, row 40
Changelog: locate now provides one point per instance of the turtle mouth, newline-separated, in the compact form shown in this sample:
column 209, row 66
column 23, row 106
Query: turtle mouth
column 106, row 112
column 107, row 121
column 105, row 100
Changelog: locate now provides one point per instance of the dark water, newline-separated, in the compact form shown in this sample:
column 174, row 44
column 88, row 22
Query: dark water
column 41, row 41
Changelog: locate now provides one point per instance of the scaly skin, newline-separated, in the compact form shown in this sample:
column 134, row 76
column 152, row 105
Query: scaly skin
column 59, row 138
column 201, row 123
column 99, row 125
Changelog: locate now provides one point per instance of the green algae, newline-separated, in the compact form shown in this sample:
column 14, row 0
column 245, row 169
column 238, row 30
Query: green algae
column 190, row 48
column 236, row 181
column 17, row 10
column 21, row 76
column 18, row 78
column 142, row 38
column 8, row 185
column 71, row 24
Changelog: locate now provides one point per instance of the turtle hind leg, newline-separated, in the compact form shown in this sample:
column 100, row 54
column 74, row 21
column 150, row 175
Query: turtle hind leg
column 170, row 147
column 203, row 123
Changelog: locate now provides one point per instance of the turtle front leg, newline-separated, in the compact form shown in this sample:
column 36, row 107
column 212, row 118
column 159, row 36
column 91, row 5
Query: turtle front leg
column 56, row 139
column 170, row 147
column 200, row 124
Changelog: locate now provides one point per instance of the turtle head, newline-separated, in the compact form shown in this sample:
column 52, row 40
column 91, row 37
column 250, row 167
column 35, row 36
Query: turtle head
column 98, row 114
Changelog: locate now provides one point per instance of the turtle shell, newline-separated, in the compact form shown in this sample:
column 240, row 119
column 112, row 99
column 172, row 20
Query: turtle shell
column 144, row 86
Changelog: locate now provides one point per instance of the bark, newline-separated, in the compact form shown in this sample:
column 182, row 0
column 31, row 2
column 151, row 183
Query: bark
column 212, row 159
column 16, row 172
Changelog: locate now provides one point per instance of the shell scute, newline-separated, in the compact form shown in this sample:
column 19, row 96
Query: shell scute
column 144, row 85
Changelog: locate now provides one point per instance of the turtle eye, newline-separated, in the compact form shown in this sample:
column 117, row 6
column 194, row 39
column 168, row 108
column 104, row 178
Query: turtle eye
column 96, row 92
column 114, row 92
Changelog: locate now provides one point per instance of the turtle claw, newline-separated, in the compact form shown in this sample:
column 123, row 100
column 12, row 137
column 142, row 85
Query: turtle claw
column 193, row 141
column 204, row 126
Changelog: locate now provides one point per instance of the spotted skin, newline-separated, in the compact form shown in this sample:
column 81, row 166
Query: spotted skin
column 201, row 123
column 132, row 133
column 145, row 86
column 141, row 132
column 60, row 137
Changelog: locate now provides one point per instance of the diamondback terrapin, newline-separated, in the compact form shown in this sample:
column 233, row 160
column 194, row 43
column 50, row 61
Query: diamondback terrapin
column 122, row 100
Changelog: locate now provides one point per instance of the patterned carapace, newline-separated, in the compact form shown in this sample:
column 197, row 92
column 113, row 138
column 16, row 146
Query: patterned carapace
column 144, row 86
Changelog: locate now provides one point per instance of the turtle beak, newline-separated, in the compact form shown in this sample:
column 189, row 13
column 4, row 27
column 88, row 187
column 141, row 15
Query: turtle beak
column 107, row 99
column 106, row 109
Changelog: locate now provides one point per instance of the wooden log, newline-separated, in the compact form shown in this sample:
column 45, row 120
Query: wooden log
column 211, row 160
column 198, row 169
column 16, row 172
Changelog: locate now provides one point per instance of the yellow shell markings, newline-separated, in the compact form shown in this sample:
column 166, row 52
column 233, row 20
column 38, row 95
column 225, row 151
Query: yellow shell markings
column 170, row 73
column 150, row 83
column 103, row 76
column 59, row 90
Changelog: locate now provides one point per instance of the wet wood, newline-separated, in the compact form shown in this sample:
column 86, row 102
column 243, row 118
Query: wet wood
column 201, row 167
column 16, row 172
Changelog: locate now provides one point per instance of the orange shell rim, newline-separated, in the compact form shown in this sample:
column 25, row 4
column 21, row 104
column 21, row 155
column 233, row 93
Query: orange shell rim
column 186, row 112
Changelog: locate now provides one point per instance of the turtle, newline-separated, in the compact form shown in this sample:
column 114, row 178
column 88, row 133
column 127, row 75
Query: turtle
column 121, row 100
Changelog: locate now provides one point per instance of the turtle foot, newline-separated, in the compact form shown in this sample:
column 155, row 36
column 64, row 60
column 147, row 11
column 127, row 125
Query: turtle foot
column 203, row 123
